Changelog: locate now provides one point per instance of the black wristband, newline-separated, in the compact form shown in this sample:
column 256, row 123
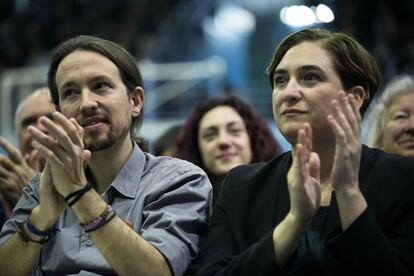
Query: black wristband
column 72, row 198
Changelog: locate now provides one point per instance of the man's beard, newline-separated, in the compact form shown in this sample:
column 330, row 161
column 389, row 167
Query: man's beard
column 93, row 143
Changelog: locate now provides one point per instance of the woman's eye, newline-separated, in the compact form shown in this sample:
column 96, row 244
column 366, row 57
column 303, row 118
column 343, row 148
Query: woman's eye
column 208, row 136
column 400, row 116
column 235, row 131
column 311, row 77
column 280, row 81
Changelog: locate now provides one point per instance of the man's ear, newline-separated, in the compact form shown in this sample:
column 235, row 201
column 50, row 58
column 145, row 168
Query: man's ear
column 359, row 94
column 137, row 100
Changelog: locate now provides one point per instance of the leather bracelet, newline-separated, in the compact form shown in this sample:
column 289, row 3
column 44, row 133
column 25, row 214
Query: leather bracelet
column 107, row 219
column 107, row 215
column 73, row 197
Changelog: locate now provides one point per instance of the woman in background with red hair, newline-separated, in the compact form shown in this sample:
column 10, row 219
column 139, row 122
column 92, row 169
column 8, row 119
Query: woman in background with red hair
column 222, row 133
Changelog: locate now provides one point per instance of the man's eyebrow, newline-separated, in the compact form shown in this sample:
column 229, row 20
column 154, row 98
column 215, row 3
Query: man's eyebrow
column 100, row 78
column 33, row 119
column 92, row 79
column 68, row 84
column 29, row 120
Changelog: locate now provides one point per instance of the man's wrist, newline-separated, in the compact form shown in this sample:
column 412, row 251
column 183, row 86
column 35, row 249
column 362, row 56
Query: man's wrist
column 89, row 207
column 39, row 220
column 74, row 197
column 71, row 188
column 26, row 236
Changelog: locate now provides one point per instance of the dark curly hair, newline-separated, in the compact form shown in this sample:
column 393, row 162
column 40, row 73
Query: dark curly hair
column 263, row 144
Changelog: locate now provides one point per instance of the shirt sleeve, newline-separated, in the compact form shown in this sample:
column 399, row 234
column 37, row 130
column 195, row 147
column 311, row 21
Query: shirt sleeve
column 176, row 219
column 28, row 200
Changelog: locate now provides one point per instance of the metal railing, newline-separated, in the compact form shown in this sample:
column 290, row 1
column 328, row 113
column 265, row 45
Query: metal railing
column 164, row 82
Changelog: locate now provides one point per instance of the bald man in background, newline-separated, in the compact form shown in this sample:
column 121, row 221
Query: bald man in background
column 20, row 165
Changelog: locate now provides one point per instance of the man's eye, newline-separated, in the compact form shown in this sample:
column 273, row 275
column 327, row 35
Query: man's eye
column 69, row 92
column 101, row 86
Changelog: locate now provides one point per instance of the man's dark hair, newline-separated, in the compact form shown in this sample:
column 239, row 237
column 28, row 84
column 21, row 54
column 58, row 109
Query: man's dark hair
column 124, row 61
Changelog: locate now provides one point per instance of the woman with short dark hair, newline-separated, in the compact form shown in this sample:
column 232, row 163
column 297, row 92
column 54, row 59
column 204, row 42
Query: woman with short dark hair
column 330, row 206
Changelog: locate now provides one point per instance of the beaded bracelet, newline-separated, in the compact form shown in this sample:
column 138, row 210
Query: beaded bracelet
column 107, row 215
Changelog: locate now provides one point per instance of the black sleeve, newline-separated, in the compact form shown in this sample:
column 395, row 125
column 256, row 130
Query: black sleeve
column 364, row 248
column 221, row 254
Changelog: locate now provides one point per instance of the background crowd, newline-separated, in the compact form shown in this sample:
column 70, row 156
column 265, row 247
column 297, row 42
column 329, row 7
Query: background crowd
column 175, row 30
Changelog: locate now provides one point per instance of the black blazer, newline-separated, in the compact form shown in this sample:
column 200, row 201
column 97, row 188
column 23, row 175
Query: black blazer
column 254, row 199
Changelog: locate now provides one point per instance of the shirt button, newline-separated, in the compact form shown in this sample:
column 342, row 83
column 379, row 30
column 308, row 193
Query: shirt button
column 89, row 242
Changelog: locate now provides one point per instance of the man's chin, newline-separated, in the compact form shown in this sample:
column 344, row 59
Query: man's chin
column 99, row 145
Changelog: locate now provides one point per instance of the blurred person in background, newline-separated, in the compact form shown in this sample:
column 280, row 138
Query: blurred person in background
column 165, row 144
column 18, row 166
column 222, row 133
column 391, row 121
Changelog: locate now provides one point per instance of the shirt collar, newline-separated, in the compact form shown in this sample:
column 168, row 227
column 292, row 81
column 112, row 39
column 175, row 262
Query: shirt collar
column 127, row 180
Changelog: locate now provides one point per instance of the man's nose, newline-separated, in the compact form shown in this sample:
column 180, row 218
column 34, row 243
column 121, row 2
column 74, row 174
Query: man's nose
column 88, row 102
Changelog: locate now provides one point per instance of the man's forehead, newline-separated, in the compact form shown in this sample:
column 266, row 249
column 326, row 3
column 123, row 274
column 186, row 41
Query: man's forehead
column 88, row 62
column 32, row 110
column 39, row 106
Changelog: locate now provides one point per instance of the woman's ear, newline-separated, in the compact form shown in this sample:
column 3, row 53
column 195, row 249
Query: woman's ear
column 359, row 94
column 137, row 100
